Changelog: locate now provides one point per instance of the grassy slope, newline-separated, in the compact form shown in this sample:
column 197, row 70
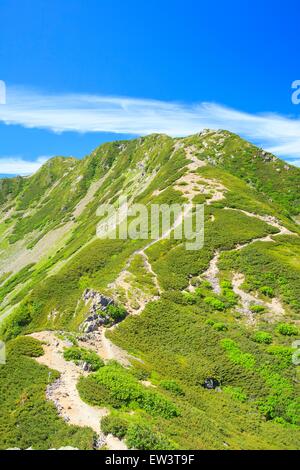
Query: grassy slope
column 177, row 337
column 175, row 342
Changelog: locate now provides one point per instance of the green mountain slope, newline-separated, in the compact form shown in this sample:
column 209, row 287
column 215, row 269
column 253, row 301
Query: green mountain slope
column 228, row 312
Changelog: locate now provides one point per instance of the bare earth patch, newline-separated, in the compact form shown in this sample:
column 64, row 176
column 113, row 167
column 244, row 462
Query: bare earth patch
column 64, row 391
column 274, row 308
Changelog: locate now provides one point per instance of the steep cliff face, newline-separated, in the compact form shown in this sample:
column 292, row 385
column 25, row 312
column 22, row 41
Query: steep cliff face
column 226, row 314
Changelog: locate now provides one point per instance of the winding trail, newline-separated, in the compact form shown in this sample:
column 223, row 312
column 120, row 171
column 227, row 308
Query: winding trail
column 138, row 298
column 211, row 274
column 64, row 394
column 247, row 300
column 150, row 270
column 189, row 185
column 268, row 219
column 109, row 351
column 123, row 278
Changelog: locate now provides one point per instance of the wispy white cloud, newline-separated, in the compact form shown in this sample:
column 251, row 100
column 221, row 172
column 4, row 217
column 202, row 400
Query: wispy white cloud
column 93, row 113
column 19, row 166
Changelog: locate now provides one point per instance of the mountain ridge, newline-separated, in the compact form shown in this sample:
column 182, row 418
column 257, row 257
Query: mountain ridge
column 229, row 311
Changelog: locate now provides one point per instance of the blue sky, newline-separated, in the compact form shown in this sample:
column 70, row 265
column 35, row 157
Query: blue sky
column 79, row 73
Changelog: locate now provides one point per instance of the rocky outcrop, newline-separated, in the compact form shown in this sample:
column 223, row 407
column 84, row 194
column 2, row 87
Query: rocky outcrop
column 50, row 392
column 211, row 384
column 93, row 322
column 97, row 312
column 99, row 301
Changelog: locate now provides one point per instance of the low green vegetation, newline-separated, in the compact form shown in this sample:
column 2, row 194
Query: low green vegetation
column 116, row 312
column 60, row 293
column 283, row 354
column 172, row 386
column 261, row 171
column 236, row 393
column 26, row 418
column 266, row 290
column 143, row 438
column 286, row 329
column 142, row 278
column 81, row 355
column 262, row 337
column 116, row 387
column 274, row 265
column 25, row 346
column 215, row 303
column 178, row 343
column 115, row 425
column 257, row 308
column 236, row 355
column 174, row 264
column 19, row 278
column 137, row 435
